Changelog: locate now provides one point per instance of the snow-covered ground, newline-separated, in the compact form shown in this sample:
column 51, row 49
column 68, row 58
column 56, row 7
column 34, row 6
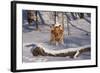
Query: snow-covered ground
column 78, row 37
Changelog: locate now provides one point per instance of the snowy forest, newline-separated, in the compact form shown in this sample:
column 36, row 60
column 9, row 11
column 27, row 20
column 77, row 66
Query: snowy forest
column 37, row 36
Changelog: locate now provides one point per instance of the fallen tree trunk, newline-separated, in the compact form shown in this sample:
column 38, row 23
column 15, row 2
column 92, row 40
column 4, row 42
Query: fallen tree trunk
column 71, row 52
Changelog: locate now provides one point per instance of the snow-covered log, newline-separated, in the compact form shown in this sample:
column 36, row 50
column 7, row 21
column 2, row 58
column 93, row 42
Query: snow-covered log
column 71, row 52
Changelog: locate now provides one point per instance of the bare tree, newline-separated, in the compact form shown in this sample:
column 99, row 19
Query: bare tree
column 30, row 16
column 36, row 21
column 63, row 20
column 68, row 28
column 81, row 15
column 55, row 17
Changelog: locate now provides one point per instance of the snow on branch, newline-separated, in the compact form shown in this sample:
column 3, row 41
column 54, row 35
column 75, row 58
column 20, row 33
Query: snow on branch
column 71, row 52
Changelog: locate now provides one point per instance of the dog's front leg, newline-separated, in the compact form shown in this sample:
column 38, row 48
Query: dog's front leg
column 62, row 42
column 56, row 43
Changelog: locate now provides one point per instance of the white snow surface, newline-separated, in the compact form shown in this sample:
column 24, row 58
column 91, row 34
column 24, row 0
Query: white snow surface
column 76, row 40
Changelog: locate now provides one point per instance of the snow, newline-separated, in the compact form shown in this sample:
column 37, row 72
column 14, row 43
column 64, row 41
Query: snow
column 62, row 50
column 75, row 40
column 82, row 24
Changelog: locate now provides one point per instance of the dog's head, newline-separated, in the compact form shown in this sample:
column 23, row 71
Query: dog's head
column 57, row 30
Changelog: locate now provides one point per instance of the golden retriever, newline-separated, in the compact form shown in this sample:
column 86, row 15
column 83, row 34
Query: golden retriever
column 57, row 34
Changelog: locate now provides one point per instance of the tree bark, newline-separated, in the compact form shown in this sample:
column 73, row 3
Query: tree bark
column 37, row 27
column 72, row 53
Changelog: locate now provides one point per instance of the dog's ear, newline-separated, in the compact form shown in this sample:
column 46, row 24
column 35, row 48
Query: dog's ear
column 59, row 25
column 53, row 25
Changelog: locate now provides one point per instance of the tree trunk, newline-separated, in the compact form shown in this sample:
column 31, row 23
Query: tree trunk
column 81, row 15
column 68, row 28
column 71, row 52
column 63, row 20
column 55, row 17
column 36, row 21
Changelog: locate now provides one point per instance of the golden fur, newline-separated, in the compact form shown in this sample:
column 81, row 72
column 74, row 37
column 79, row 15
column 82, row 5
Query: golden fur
column 57, row 34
